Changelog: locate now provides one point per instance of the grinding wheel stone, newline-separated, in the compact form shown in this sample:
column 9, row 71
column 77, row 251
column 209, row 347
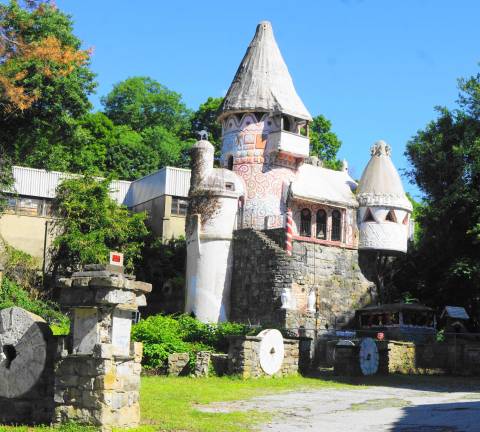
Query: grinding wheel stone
column 368, row 357
column 271, row 351
column 23, row 351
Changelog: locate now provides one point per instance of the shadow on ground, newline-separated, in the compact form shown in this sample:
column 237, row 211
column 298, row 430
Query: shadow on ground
column 448, row 417
column 433, row 383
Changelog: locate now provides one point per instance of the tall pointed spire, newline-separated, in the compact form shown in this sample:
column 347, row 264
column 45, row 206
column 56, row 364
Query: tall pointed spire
column 262, row 81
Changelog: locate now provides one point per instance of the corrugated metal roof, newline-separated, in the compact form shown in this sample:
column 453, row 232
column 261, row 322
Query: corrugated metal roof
column 43, row 184
column 178, row 181
column 456, row 312
column 167, row 181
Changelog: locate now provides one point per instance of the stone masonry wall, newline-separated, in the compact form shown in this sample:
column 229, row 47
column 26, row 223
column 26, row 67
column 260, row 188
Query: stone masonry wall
column 99, row 390
column 262, row 270
column 244, row 357
column 447, row 357
column 340, row 280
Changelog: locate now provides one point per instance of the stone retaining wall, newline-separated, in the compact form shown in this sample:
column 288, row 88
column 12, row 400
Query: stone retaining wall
column 461, row 358
column 262, row 270
column 244, row 360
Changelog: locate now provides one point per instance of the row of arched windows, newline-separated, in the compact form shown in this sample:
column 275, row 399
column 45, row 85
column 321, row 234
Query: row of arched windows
column 321, row 224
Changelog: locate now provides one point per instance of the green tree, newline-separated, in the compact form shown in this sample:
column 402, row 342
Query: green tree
column 169, row 148
column 444, row 267
column 90, row 224
column 91, row 137
column 6, row 180
column 324, row 143
column 205, row 118
column 142, row 102
column 127, row 155
column 45, row 82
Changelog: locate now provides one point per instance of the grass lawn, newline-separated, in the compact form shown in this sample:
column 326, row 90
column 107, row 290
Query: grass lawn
column 168, row 403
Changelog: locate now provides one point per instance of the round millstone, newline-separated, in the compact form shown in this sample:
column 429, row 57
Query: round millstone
column 368, row 357
column 271, row 351
column 23, row 351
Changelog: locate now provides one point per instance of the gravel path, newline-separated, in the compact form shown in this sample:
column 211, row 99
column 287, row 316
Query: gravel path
column 372, row 409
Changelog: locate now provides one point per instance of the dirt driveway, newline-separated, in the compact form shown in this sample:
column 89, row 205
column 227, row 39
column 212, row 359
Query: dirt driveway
column 432, row 407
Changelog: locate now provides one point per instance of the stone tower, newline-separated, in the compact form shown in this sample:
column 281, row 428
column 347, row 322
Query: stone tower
column 384, row 209
column 265, row 129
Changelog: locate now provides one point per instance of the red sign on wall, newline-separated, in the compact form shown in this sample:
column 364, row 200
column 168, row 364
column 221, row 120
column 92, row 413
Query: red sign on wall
column 116, row 258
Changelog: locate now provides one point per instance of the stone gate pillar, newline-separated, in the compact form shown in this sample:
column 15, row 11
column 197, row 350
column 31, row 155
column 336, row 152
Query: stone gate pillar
column 97, row 377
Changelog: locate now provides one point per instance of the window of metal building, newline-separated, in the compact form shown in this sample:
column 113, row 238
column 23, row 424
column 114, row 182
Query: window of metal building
column 179, row 206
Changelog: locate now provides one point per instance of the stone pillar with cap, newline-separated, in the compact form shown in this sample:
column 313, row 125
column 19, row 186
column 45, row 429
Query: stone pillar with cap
column 97, row 377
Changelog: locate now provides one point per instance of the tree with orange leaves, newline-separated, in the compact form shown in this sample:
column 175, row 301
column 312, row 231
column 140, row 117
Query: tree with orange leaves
column 45, row 81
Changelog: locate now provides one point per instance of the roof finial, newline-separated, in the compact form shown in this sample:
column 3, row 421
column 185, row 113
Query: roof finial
column 381, row 148
column 202, row 135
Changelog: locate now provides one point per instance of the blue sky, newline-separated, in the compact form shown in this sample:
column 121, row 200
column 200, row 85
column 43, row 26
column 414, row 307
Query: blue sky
column 375, row 68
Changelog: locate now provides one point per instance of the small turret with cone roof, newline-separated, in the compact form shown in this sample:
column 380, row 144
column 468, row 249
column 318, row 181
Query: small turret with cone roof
column 384, row 209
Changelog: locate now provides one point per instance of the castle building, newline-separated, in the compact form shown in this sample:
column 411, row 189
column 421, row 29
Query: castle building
column 273, row 237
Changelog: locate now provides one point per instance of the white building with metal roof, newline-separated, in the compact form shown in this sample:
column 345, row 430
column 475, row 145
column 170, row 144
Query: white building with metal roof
column 25, row 224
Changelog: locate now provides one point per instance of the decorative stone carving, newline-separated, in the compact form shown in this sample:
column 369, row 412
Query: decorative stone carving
column 285, row 298
column 311, row 301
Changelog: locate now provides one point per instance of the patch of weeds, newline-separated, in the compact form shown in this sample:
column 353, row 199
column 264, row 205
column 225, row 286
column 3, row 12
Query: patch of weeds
column 377, row 404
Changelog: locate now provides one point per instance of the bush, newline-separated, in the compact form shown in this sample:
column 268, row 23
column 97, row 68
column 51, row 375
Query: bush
column 166, row 334
column 23, row 269
column 12, row 294
column 90, row 223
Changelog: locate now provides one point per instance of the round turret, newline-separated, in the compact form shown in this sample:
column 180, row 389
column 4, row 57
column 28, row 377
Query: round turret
column 384, row 209
column 202, row 154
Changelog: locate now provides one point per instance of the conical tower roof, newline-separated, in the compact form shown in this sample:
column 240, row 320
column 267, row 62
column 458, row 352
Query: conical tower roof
column 262, row 81
column 380, row 184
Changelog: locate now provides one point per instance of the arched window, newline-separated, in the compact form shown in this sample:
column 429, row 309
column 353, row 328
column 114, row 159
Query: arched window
column 321, row 224
column 305, row 223
column 230, row 163
column 336, row 225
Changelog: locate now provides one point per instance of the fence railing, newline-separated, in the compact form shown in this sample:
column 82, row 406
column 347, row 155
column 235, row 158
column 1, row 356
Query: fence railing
column 251, row 219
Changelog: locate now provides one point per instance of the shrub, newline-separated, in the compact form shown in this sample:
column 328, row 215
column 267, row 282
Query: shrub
column 23, row 269
column 90, row 224
column 166, row 334
column 12, row 294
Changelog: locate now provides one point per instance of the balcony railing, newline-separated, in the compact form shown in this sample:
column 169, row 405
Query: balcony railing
column 289, row 142
column 250, row 219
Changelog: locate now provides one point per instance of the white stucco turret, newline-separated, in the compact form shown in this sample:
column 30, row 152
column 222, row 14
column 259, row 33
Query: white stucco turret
column 384, row 209
column 214, row 197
